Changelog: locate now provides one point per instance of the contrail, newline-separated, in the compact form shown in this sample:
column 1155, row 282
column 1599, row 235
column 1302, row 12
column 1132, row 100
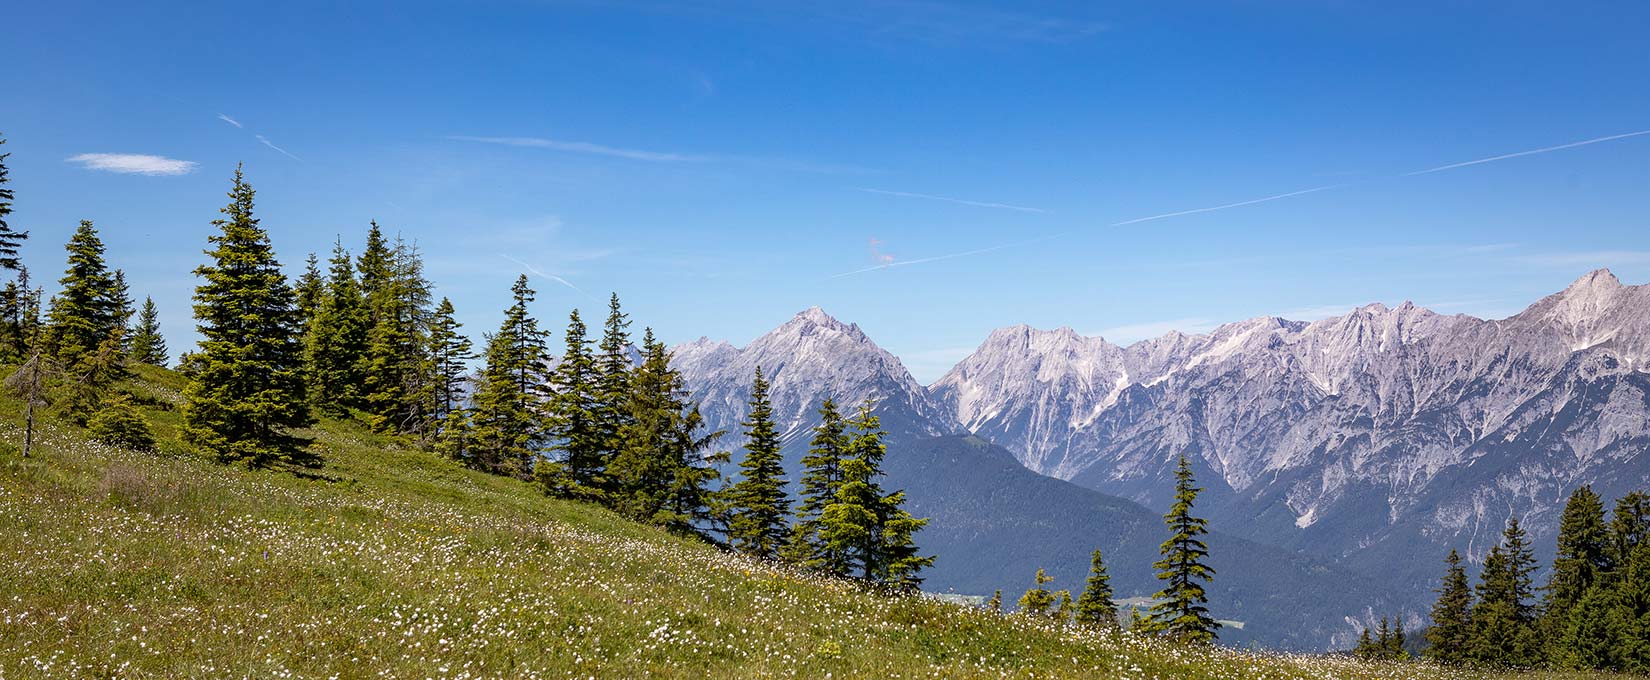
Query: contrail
column 230, row 121
column 535, row 271
column 1531, row 152
column 1195, row 211
column 271, row 145
column 947, row 199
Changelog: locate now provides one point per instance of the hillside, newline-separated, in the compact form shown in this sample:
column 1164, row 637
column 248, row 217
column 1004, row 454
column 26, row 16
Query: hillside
column 389, row 561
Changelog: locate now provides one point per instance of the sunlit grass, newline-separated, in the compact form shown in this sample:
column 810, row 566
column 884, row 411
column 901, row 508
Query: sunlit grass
column 398, row 564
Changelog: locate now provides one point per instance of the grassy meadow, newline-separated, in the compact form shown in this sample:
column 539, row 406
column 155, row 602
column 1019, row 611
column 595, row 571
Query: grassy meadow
column 390, row 562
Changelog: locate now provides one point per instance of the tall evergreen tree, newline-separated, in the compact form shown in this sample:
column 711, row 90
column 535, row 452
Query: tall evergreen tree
column 573, row 429
column 376, row 267
column 86, row 312
column 19, row 318
column 311, row 291
column 1584, row 556
column 1095, row 606
column 10, row 239
column 1451, row 631
column 1630, row 524
column 758, row 525
column 395, row 382
column 507, row 422
column 661, row 474
column 148, row 346
column 1180, row 610
column 450, row 352
column 335, row 348
column 613, row 367
column 868, row 524
column 821, row 478
column 246, row 389
column 1502, row 619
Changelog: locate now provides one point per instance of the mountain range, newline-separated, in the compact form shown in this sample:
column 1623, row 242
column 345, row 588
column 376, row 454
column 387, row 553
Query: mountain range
column 1371, row 442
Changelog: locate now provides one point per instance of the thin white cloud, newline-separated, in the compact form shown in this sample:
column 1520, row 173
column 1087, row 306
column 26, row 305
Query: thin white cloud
column 133, row 164
column 1239, row 204
column 586, row 147
column 536, row 272
column 1531, row 152
column 947, row 199
column 1595, row 258
column 230, row 121
column 1135, row 332
column 265, row 141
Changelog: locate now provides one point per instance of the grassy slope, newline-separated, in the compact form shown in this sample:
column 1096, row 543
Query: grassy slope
column 400, row 564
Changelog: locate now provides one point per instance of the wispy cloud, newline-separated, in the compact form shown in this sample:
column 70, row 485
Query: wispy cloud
column 587, row 147
column 230, row 121
column 1227, row 206
column 947, row 199
column 265, row 141
column 133, row 163
column 1135, row 332
column 1594, row 258
column 1531, row 152
column 536, row 272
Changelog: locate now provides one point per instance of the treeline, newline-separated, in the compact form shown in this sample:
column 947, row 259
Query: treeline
column 609, row 422
column 1178, row 612
column 1593, row 613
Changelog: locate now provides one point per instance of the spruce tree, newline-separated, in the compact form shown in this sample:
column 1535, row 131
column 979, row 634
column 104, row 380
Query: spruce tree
column 10, row 240
column 865, row 523
column 1095, row 606
column 996, row 602
column 1630, row 524
column 661, row 474
column 1503, row 630
column 453, row 438
column 86, row 311
column 377, row 268
column 1366, row 645
column 118, row 423
column 311, row 291
column 1451, row 631
column 1395, row 643
column 579, row 471
column 507, row 425
column 1063, row 610
column 396, row 382
column 1038, row 599
column 246, row 389
column 124, row 309
column 1583, row 559
column 614, row 371
column 336, row 346
column 148, row 347
column 1179, row 610
column 19, row 318
column 758, row 524
column 821, row 478
column 450, row 352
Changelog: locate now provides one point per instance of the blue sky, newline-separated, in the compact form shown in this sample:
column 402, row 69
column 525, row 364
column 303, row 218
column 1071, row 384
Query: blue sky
column 722, row 165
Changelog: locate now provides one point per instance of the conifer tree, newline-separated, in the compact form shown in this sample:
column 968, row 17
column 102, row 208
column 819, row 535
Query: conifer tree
column 821, row 478
column 1630, row 524
column 376, row 267
column 86, row 311
column 1180, row 610
column 1451, row 631
column 1395, row 643
column 758, row 523
column 453, row 439
column 1063, row 610
column 1583, row 559
column 19, row 318
column 123, row 303
column 311, row 291
column 996, row 602
column 10, row 240
column 614, row 370
column 246, row 389
column 450, row 351
column 1095, row 606
column 1038, row 599
column 1503, row 634
column 395, row 380
column 507, row 426
column 148, row 346
column 573, row 430
column 118, row 423
column 336, row 346
column 660, row 474
column 1366, row 645
column 866, row 523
